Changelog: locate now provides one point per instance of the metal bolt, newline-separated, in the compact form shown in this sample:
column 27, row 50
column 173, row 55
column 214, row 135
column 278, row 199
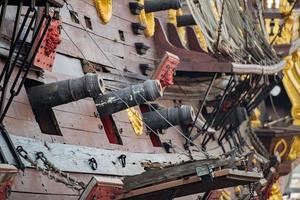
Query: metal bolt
column 96, row 114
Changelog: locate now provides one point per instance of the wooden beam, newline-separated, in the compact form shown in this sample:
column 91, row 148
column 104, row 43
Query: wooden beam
column 160, row 175
column 191, row 61
column 193, row 184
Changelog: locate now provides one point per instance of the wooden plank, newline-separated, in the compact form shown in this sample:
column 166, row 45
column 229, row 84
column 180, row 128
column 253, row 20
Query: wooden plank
column 83, row 138
column 75, row 157
column 141, row 145
column 163, row 186
column 87, row 46
column 32, row 181
column 77, row 121
column 29, row 129
column 116, row 24
column 192, row 185
column 109, row 38
column 21, row 111
column 17, row 127
column 167, row 174
column 85, row 107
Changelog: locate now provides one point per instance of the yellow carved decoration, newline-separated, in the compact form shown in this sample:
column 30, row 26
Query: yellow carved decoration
column 136, row 121
column 201, row 38
column 288, row 32
column 255, row 121
column 285, row 6
column 237, row 190
column 280, row 143
column 173, row 20
column 148, row 20
column 225, row 195
column 275, row 192
column 104, row 8
column 295, row 149
column 291, row 82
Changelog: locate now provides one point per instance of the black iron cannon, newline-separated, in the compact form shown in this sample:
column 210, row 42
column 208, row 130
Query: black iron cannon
column 53, row 94
column 165, row 118
column 185, row 20
column 155, row 5
column 131, row 96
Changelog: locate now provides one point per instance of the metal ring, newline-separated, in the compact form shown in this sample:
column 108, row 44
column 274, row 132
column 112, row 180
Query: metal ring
column 93, row 163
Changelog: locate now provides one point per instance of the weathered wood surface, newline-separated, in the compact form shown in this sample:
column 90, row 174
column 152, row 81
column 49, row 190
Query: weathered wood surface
column 74, row 158
column 121, row 53
column 156, row 176
column 79, row 126
column 192, row 61
column 81, row 136
column 33, row 183
column 77, row 122
column 192, row 185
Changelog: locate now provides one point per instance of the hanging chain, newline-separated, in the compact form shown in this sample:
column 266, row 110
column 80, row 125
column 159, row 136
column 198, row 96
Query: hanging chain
column 52, row 172
column 257, row 142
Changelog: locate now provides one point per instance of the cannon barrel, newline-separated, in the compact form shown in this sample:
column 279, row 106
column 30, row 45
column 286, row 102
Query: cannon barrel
column 156, row 5
column 131, row 96
column 183, row 115
column 62, row 92
column 185, row 20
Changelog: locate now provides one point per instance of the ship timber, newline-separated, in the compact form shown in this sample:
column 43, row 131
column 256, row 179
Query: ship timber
column 148, row 99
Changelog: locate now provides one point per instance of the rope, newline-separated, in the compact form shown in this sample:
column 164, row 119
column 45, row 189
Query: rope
column 232, row 42
column 220, row 25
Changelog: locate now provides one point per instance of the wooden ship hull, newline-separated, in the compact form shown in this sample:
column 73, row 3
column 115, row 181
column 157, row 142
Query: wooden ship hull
column 125, row 99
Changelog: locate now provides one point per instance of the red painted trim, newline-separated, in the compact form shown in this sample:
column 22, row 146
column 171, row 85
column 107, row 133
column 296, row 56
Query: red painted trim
column 111, row 130
column 155, row 140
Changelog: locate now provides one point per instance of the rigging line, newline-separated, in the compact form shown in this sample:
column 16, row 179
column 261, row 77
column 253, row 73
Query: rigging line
column 180, row 87
column 272, row 103
column 245, row 23
column 283, row 24
column 177, row 130
column 238, row 102
column 145, row 123
column 229, row 87
column 202, row 105
column 273, row 106
column 77, row 47
column 220, row 25
column 109, row 60
column 260, row 17
column 215, row 87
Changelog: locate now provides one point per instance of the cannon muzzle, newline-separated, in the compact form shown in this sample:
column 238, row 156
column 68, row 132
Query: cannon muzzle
column 185, row 20
column 62, row 92
column 159, row 5
column 131, row 96
column 176, row 116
